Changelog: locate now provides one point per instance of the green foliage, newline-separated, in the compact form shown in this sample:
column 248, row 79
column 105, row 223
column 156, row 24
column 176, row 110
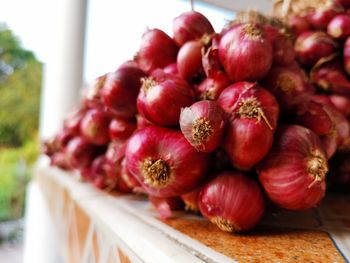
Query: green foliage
column 15, row 169
column 20, row 92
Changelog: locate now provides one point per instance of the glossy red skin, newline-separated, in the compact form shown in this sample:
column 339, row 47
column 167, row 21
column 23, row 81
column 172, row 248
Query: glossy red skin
column 94, row 127
column 210, row 58
column 120, row 91
column 165, row 206
column 248, row 140
column 92, row 95
column 234, row 197
column 171, row 69
column 289, row 85
column 342, row 104
column 121, row 129
column 157, row 50
column 79, row 152
column 190, row 26
column 189, row 60
column 252, row 54
column 298, row 25
column 313, row 116
column 187, row 166
column 322, row 99
column 114, row 156
column 339, row 27
column 153, row 103
column 284, row 173
column 282, row 48
column 191, row 200
column 209, row 111
column 128, row 178
column 311, row 46
column 320, row 18
column 72, row 121
column 211, row 87
column 142, row 122
column 346, row 55
column 331, row 76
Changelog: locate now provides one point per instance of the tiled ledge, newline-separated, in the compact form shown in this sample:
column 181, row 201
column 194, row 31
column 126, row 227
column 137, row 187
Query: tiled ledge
column 94, row 226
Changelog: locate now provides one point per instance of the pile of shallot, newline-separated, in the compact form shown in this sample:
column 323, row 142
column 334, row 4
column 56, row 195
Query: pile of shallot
column 214, row 123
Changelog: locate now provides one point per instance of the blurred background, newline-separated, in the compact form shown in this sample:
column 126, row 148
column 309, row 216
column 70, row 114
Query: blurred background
column 49, row 50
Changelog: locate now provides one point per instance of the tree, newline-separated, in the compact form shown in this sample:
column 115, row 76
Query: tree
column 20, row 84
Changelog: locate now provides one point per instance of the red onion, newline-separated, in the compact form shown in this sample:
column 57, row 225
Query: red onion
column 330, row 76
column 171, row 69
column 211, row 87
column 72, row 121
column 245, row 45
column 293, row 174
column 254, row 112
column 94, row 127
column 129, row 64
column 342, row 104
column 346, row 54
column 203, row 125
column 289, row 85
column 120, row 91
column 190, row 26
column 161, row 98
column 157, row 50
column 210, row 57
column 121, row 129
column 298, row 24
column 232, row 201
column 321, row 99
column 128, row 178
column 189, row 60
column 92, row 96
column 59, row 159
column 50, row 146
column 191, row 200
column 142, row 122
column 79, row 152
column 164, row 162
column 311, row 46
column 321, row 17
column 343, row 3
column 114, row 156
column 282, row 48
column 339, row 26
column 165, row 206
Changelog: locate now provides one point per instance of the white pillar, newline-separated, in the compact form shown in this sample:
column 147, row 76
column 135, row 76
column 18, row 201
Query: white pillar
column 63, row 72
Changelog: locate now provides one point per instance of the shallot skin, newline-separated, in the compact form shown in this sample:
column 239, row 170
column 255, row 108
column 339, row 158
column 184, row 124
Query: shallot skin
column 232, row 201
column 245, row 53
column 164, row 162
column 293, row 173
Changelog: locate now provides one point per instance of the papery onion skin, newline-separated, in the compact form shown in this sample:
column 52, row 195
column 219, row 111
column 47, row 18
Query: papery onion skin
column 165, row 206
column 254, row 112
column 92, row 95
column 72, row 121
column 190, row 26
column 339, row 27
column 161, row 98
column 330, row 76
column 189, row 60
column 282, row 47
column 79, row 152
column 346, row 55
column 342, row 104
column 210, row 57
column 94, row 127
column 298, row 24
column 289, row 85
column 203, row 125
column 157, row 50
column 128, row 178
column 311, row 46
column 191, row 200
column 293, row 174
column 164, row 162
column 171, row 69
column 232, row 201
column 121, row 129
column 245, row 45
column 59, row 159
column 211, row 87
column 120, row 91
column 320, row 18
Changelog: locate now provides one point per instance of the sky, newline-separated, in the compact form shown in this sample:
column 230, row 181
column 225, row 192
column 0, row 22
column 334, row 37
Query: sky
column 113, row 31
